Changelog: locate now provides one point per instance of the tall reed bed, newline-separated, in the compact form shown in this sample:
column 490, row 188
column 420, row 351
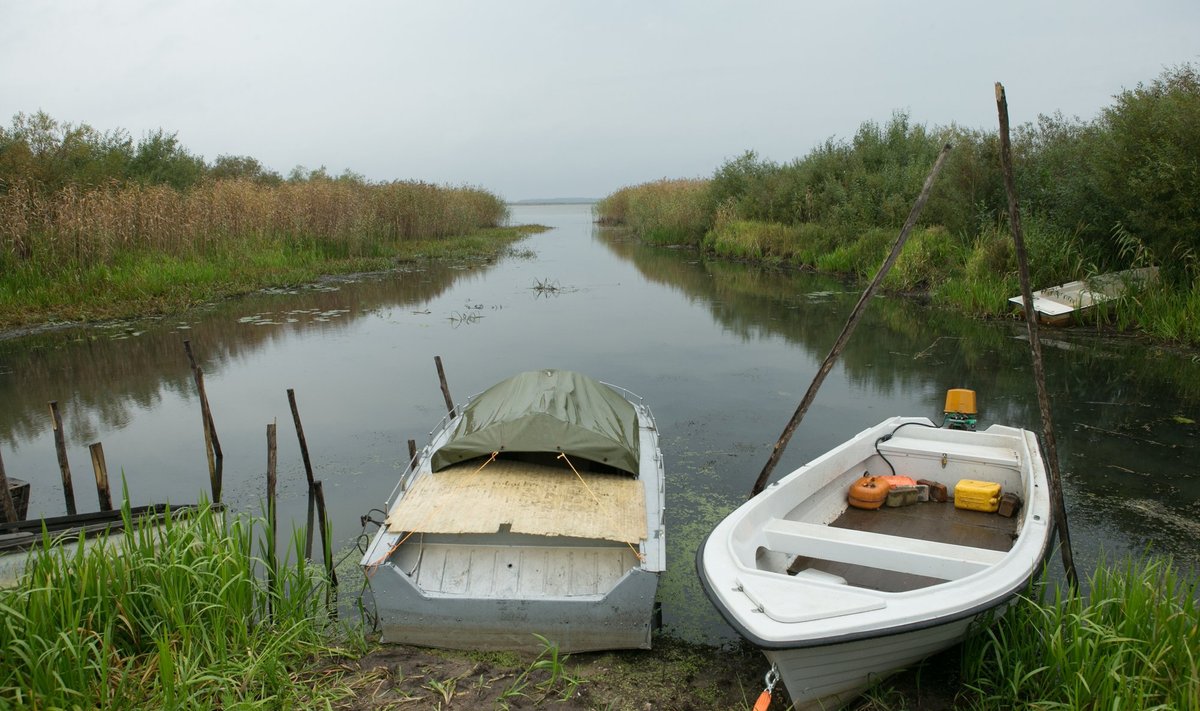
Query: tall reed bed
column 177, row 616
column 76, row 228
column 1131, row 642
column 662, row 212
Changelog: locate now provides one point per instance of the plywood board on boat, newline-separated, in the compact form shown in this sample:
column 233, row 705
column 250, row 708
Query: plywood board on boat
column 527, row 498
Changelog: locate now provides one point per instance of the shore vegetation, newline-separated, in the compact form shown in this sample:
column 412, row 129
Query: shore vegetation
column 95, row 226
column 1118, row 191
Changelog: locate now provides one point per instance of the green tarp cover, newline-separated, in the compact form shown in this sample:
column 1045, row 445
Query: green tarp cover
column 546, row 411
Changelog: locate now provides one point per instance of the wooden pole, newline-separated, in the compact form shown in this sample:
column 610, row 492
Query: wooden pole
column 1039, row 372
column 101, row 469
column 311, row 522
column 445, row 388
column 326, row 544
column 848, row 329
column 212, row 444
column 7, row 508
column 64, row 468
column 271, row 517
column 308, row 470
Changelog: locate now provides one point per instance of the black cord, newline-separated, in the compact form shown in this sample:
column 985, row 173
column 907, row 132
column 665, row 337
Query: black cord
column 891, row 434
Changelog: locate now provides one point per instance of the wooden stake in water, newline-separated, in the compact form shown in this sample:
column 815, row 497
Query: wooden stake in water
column 212, row 444
column 848, row 329
column 60, row 446
column 308, row 470
column 271, row 519
column 327, row 545
column 1039, row 372
column 445, row 388
column 7, row 508
column 101, row 469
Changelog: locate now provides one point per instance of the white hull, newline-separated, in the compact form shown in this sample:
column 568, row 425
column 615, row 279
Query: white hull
column 839, row 598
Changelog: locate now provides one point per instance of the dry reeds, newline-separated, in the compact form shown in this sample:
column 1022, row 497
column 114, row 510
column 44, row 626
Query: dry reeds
column 76, row 227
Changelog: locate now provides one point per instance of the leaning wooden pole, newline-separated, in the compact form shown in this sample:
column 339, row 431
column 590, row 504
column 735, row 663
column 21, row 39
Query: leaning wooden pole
column 308, row 470
column 445, row 388
column 64, row 467
column 1039, row 372
column 848, row 329
column 212, row 443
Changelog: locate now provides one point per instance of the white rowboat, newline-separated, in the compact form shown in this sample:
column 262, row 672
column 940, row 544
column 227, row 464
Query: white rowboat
column 838, row 597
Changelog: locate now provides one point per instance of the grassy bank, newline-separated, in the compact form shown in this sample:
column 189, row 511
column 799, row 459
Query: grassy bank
column 172, row 617
column 142, row 250
column 182, row 617
column 1112, row 193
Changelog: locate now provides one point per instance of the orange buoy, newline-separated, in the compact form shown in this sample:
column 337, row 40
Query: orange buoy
column 869, row 492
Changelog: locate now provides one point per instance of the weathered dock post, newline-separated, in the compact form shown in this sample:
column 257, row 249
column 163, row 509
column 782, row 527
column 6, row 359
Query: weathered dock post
column 212, row 444
column 326, row 543
column 271, row 517
column 7, row 509
column 308, row 470
column 103, row 493
column 1039, row 372
column 445, row 388
column 64, row 468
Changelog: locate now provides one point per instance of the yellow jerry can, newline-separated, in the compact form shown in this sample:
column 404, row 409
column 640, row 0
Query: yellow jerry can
column 975, row 495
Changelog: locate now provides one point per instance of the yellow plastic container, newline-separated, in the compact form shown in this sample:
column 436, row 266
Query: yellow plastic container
column 961, row 400
column 975, row 495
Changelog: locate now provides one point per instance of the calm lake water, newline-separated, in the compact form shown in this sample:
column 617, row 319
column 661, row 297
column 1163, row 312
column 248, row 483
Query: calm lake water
column 722, row 353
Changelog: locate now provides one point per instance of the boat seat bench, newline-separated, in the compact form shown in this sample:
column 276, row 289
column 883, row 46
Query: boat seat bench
column 933, row 559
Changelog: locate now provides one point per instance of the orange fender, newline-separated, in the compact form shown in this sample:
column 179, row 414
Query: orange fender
column 869, row 492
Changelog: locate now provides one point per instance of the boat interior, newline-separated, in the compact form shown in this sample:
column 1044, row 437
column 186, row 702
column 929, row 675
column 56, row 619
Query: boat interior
column 902, row 548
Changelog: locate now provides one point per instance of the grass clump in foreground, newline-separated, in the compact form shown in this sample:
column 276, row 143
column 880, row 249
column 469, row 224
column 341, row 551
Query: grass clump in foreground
column 177, row 616
column 1131, row 642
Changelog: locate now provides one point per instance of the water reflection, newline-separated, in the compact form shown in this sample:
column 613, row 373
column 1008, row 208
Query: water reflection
column 721, row 351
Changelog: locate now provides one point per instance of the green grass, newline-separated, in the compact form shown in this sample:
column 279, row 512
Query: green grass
column 1131, row 642
column 178, row 616
column 148, row 283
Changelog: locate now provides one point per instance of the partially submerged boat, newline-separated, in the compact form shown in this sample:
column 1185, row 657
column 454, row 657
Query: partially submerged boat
column 18, row 541
column 838, row 597
column 1057, row 305
column 536, row 509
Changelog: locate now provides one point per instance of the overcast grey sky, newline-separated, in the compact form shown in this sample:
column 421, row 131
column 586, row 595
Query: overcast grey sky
column 549, row 99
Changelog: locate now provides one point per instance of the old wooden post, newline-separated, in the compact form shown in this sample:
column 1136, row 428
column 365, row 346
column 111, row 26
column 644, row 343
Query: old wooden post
column 7, row 509
column 101, row 468
column 64, row 468
column 308, row 470
column 326, row 543
column 1039, row 372
column 271, row 517
column 848, row 329
column 212, row 444
column 445, row 388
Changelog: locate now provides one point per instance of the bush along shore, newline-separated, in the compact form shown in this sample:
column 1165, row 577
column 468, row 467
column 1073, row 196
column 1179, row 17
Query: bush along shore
column 186, row 614
column 92, row 227
column 1116, row 192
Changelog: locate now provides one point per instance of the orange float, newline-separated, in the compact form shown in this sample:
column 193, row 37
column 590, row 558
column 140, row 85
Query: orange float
column 869, row 492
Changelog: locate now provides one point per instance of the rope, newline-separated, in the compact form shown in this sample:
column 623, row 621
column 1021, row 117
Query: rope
column 563, row 456
column 373, row 566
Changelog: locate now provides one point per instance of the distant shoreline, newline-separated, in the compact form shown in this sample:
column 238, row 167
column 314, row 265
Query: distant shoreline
column 556, row 201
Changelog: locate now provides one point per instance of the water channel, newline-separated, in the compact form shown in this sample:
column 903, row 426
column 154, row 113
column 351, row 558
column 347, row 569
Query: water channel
column 722, row 352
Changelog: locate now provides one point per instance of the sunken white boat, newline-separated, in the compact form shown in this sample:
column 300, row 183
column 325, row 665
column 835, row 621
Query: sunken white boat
column 839, row 597
column 536, row 509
